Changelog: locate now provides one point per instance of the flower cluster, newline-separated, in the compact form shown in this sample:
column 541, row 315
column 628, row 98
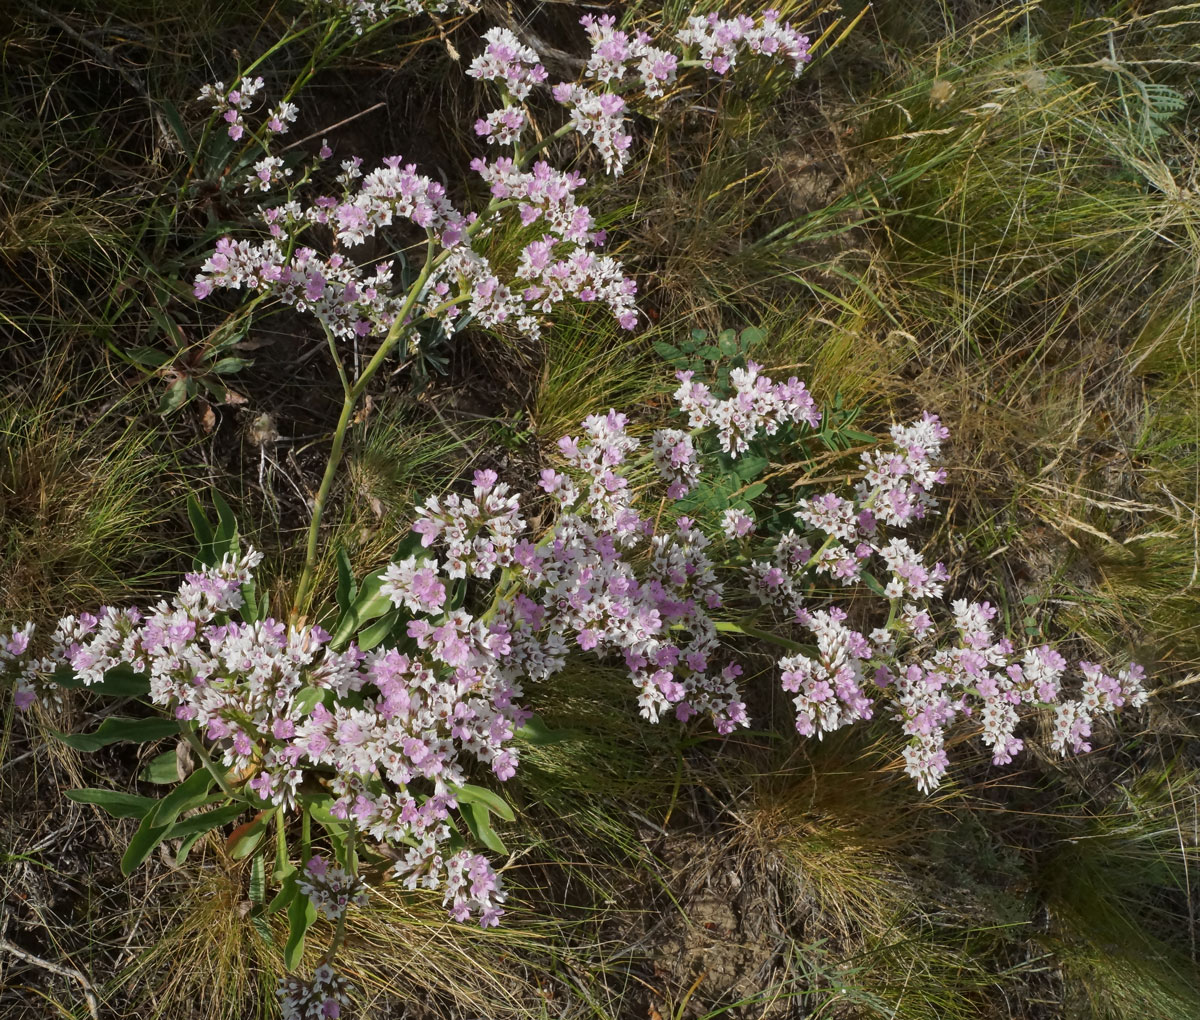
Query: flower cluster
column 322, row 998
column 758, row 405
column 605, row 580
column 719, row 40
column 613, row 49
column 608, row 581
column 507, row 60
column 331, row 890
column 364, row 13
column 357, row 299
column 676, row 460
column 277, row 700
column 232, row 103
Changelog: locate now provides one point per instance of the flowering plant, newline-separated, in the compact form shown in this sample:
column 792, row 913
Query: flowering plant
column 370, row 721
column 370, row 728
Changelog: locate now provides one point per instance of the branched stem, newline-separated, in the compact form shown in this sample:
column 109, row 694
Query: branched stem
column 353, row 393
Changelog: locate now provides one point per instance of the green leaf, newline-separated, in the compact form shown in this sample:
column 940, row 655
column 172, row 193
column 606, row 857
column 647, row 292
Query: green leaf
column 114, row 729
column 119, row 682
column 206, row 821
column 261, row 927
column 373, row 634
column 752, row 336
column 185, row 847
column 699, row 335
column 727, row 341
column 667, row 351
column 250, row 610
column 175, row 122
column 872, row 582
column 227, row 366
column 163, row 769
column 537, row 733
column 225, row 539
column 346, row 589
column 755, row 490
column 306, row 699
column 258, row 880
column 469, row 794
column 147, row 837
column 479, row 821
column 119, row 805
column 202, row 529
column 367, row 606
column 750, row 467
column 283, row 897
column 301, row 914
column 710, row 353
column 148, row 357
column 174, row 398
column 191, row 793
column 246, row 837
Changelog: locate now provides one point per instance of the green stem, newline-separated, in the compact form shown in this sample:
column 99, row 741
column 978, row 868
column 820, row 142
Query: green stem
column 352, row 395
column 197, row 745
column 729, row 627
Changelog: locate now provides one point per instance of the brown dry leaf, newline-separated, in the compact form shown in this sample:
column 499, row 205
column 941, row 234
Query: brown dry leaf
column 365, row 413
column 208, row 418
column 233, row 397
column 183, row 760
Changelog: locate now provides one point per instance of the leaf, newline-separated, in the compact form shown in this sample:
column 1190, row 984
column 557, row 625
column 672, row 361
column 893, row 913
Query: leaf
column 346, row 589
column 206, row 821
column 668, row 352
column 478, row 820
column 201, row 528
column 114, row 729
column 301, row 914
column 872, row 582
column 710, row 353
column 467, row 793
column 227, row 366
column 175, row 123
column 174, row 398
column 147, row 837
column 283, row 897
column 755, row 490
column 728, row 343
column 306, row 699
column 250, row 610
column 191, row 793
column 752, row 336
column 242, row 841
column 163, row 769
column 537, row 733
column 258, row 880
column 369, row 605
column 225, row 539
column 119, row 805
column 119, row 682
column 372, row 635
column 185, row 847
column 148, row 357
column 261, row 927
column 750, row 467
